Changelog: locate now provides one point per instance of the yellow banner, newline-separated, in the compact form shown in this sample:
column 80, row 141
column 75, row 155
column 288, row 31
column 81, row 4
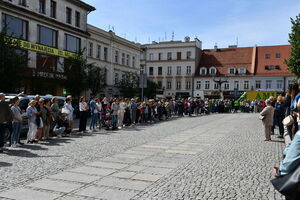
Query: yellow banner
column 260, row 95
column 44, row 49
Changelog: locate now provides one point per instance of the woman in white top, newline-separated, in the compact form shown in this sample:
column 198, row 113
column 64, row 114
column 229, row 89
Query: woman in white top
column 83, row 108
column 121, row 112
column 99, row 108
column 69, row 111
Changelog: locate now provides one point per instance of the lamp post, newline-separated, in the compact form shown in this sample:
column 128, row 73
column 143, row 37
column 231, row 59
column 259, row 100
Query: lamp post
column 220, row 81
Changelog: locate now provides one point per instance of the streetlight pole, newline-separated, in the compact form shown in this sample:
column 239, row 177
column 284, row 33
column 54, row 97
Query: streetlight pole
column 220, row 82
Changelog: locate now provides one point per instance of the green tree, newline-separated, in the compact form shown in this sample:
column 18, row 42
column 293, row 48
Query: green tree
column 96, row 78
column 293, row 62
column 13, row 63
column 128, row 85
column 76, row 72
column 151, row 89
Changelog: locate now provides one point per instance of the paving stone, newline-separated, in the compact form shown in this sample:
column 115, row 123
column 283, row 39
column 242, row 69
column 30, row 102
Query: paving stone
column 114, row 194
column 92, row 191
column 136, row 168
column 124, row 174
column 111, row 165
column 93, row 171
column 76, row 177
column 54, row 185
column 124, row 183
column 28, row 194
column 146, row 177
column 156, row 170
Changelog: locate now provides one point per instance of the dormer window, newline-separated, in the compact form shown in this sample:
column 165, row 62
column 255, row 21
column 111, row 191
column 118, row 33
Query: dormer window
column 231, row 70
column 242, row 70
column 213, row 71
column 203, row 71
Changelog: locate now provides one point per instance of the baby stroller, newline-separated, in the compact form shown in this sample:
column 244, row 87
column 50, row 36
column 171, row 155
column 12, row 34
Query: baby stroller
column 107, row 119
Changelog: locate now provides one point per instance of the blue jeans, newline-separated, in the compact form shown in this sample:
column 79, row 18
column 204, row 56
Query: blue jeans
column 114, row 120
column 93, row 120
column 2, row 129
column 16, row 130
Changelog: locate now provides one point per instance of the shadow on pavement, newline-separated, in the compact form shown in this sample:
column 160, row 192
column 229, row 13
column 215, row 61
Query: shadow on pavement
column 5, row 164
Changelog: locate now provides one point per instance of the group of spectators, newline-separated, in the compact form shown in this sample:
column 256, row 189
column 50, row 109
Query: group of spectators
column 283, row 112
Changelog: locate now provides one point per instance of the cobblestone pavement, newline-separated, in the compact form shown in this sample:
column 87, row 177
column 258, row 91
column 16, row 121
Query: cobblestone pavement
column 210, row 157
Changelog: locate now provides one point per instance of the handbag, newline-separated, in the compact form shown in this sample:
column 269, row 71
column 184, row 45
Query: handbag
column 288, row 184
column 289, row 120
column 261, row 117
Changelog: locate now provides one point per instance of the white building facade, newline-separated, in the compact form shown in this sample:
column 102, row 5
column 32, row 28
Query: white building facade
column 172, row 65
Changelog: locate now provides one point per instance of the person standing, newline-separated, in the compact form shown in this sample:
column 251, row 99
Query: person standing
column 121, row 112
column 268, row 117
column 83, row 108
column 32, row 123
column 5, row 117
column 46, row 115
column 279, row 115
column 94, row 113
column 55, row 112
column 115, row 108
column 68, row 108
column 17, row 122
column 99, row 108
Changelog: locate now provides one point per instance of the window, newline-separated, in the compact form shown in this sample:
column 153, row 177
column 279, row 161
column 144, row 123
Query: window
column 53, row 9
column 72, row 43
column 105, row 53
column 69, row 15
column 169, row 70
column 198, row 85
column 268, row 84
column 123, row 59
column 42, row 6
column 169, row 85
column 290, row 82
column 116, row 56
column 236, row 85
column 277, row 55
column 178, row 70
column 188, row 70
column 216, row 86
column 47, row 36
column 169, row 55
column 231, row 70
column 90, row 49
column 151, row 71
column 267, row 56
column 257, row 84
column 213, row 71
column 279, row 84
column 272, row 67
column 178, row 85
column 15, row 27
column 150, row 56
column 46, row 62
column 77, row 19
column 127, row 60
column 22, row 3
column 188, row 55
column 203, row 71
column 133, row 61
column 178, row 55
column 207, row 85
column 242, row 70
column 188, row 85
column 226, row 86
column 116, row 78
column 159, row 71
column 160, row 56
column 246, row 85
column 98, row 54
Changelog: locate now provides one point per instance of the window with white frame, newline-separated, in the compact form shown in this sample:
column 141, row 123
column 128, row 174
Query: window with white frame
column 188, row 70
column 90, row 49
column 198, row 85
column 188, row 85
column 178, row 72
column 216, row 86
column 178, row 85
column 160, row 56
column 151, row 56
column 123, row 59
column 116, row 56
column 232, row 70
column 279, row 84
column 169, row 85
column 257, row 84
column 213, row 71
column 207, row 85
column 169, row 72
column 226, row 86
column 169, row 55
column 236, row 85
column 203, row 71
column 151, row 71
column 268, row 84
column 127, row 59
column 160, row 71
column 188, row 55
column 242, row 70
column 98, row 51
column 246, row 85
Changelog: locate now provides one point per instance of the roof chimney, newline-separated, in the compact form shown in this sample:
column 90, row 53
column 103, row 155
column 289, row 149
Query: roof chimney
column 216, row 47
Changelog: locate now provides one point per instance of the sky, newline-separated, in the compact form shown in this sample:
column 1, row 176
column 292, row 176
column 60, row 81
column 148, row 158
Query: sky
column 221, row 22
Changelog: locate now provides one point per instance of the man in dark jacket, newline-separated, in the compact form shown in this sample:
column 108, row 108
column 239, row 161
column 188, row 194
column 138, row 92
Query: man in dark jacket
column 5, row 118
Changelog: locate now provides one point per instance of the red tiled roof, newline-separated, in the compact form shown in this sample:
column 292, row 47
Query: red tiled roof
column 225, row 58
column 262, row 62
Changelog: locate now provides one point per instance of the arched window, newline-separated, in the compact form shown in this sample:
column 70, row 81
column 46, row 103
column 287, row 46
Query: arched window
column 212, row 71
column 203, row 71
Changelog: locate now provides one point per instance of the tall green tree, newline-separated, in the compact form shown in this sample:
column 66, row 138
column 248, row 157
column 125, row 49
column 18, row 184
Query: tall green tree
column 128, row 85
column 293, row 62
column 96, row 78
column 151, row 89
column 76, row 73
column 13, row 63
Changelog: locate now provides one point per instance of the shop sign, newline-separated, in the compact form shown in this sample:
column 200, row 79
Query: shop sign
column 49, row 75
column 44, row 49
